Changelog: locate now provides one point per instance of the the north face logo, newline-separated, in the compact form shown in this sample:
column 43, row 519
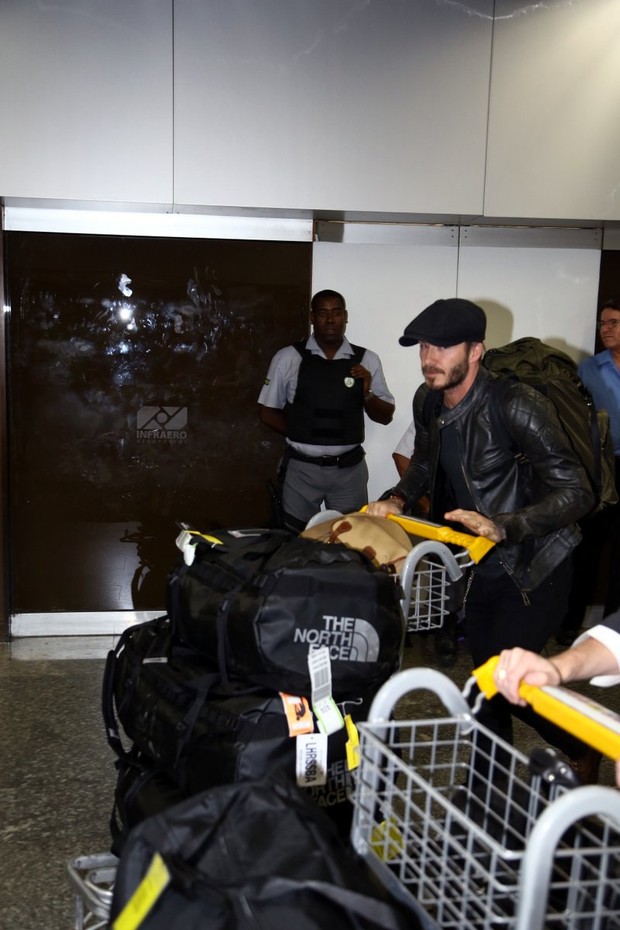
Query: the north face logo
column 349, row 639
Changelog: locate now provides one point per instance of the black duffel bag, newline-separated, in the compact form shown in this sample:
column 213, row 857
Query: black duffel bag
column 250, row 856
column 163, row 707
column 141, row 790
column 256, row 602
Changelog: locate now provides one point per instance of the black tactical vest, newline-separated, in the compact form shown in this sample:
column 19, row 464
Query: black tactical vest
column 328, row 410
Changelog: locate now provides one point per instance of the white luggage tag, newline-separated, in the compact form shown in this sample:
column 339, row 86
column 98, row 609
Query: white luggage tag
column 186, row 542
column 311, row 759
column 310, row 747
column 325, row 709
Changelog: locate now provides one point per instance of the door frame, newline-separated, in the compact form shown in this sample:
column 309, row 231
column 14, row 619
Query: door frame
column 4, row 566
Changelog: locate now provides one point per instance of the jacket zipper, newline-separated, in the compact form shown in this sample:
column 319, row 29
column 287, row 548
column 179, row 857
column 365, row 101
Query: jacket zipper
column 509, row 572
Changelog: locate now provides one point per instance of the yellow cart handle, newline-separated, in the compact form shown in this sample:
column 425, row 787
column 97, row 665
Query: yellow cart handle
column 588, row 720
column 477, row 546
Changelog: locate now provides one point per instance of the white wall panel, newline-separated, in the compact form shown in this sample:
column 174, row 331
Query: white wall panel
column 332, row 104
column 385, row 286
column 530, row 282
column 534, row 282
column 86, row 100
column 554, row 126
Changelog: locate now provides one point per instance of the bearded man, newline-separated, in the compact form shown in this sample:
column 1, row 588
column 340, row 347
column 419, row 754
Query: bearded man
column 495, row 461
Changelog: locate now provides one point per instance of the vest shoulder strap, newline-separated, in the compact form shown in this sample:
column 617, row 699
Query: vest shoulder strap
column 301, row 348
column 358, row 351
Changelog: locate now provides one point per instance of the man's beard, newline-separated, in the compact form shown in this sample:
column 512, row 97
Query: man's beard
column 454, row 376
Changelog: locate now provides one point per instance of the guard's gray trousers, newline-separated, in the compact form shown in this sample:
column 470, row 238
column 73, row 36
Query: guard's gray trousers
column 307, row 487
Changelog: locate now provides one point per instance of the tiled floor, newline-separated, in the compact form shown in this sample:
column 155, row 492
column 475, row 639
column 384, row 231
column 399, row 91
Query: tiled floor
column 56, row 783
column 57, row 774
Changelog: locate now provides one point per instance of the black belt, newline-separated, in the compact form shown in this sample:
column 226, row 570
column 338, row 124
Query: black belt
column 346, row 460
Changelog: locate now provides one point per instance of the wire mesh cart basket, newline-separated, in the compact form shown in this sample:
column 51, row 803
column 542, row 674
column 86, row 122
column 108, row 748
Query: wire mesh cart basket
column 92, row 878
column 436, row 563
column 473, row 835
column 433, row 567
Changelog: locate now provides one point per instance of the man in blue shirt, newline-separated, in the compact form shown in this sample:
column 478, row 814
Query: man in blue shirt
column 601, row 375
column 601, row 372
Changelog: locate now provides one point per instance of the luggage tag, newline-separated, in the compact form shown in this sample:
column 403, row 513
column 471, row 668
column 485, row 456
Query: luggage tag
column 298, row 714
column 386, row 840
column 310, row 747
column 144, row 897
column 352, row 746
column 311, row 760
column 325, row 709
column 186, row 542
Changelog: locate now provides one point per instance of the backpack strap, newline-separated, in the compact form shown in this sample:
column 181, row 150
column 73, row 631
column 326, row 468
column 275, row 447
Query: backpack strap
column 112, row 727
column 501, row 427
column 597, row 445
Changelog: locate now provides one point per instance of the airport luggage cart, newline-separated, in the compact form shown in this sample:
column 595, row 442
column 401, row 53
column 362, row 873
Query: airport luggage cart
column 92, row 878
column 437, row 561
column 470, row 833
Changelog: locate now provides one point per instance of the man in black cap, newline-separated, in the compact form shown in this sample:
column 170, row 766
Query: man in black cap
column 494, row 461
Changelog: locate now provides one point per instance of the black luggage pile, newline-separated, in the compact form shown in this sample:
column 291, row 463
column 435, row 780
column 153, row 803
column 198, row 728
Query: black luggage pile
column 219, row 690
column 255, row 855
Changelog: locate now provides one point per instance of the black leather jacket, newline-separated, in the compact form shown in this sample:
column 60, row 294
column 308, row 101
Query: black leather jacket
column 537, row 500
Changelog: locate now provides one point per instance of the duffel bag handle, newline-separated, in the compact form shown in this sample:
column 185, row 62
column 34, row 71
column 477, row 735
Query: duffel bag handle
column 110, row 721
column 381, row 913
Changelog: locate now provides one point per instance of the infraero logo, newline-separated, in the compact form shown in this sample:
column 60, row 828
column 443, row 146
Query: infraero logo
column 154, row 424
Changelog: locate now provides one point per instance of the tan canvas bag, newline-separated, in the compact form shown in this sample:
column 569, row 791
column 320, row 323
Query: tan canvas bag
column 383, row 541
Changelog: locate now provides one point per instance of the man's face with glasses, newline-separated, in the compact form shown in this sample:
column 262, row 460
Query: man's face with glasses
column 609, row 328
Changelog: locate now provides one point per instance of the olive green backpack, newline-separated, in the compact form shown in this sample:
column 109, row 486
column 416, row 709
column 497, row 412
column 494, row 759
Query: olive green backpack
column 554, row 374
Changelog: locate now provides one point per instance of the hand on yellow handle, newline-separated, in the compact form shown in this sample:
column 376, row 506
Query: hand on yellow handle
column 586, row 719
column 477, row 546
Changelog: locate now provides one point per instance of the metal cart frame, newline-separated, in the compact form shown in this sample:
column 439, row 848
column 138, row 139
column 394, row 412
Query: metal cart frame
column 456, row 824
column 429, row 569
column 92, row 878
column 426, row 575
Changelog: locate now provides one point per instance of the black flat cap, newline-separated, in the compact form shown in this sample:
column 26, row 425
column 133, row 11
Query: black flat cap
column 447, row 323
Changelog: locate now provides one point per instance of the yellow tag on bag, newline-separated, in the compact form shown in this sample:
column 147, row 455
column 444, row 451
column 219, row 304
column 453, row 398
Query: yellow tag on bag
column 353, row 743
column 144, row 897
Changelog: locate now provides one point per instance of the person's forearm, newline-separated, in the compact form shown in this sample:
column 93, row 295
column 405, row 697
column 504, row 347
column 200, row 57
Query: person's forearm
column 413, row 483
column 273, row 418
column 401, row 462
column 587, row 659
column 380, row 411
